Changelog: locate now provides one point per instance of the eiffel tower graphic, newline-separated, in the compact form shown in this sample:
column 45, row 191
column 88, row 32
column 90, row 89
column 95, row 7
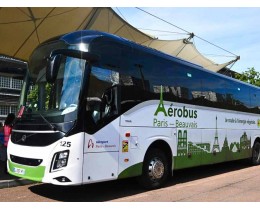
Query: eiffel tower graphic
column 160, row 107
column 215, row 147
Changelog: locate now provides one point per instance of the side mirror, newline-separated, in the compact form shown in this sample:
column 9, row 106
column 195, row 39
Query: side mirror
column 53, row 64
column 54, row 61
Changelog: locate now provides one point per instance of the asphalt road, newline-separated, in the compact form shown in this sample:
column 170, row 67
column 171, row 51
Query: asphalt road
column 234, row 181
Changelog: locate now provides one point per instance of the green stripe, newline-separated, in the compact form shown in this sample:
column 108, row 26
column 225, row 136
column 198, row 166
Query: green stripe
column 134, row 170
column 31, row 172
column 181, row 162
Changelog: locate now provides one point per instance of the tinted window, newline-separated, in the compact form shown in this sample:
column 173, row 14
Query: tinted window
column 179, row 83
column 188, row 85
column 117, row 67
column 143, row 75
column 238, row 97
column 213, row 90
column 119, row 58
column 255, row 100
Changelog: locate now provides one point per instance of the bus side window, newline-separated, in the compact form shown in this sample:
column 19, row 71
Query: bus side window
column 213, row 90
column 238, row 96
column 93, row 109
column 255, row 100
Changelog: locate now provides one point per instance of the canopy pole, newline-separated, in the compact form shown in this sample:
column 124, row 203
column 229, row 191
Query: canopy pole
column 234, row 61
column 186, row 41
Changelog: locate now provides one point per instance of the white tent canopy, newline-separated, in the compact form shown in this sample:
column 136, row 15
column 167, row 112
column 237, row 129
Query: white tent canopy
column 22, row 29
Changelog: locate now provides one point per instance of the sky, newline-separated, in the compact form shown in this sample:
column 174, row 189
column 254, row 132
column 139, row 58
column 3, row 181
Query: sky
column 235, row 29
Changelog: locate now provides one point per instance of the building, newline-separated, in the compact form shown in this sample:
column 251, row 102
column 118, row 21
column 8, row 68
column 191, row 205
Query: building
column 182, row 143
column 197, row 148
column 245, row 142
column 12, row 72
column 208, row 95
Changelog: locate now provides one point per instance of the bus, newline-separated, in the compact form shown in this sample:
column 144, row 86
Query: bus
column 97, row 107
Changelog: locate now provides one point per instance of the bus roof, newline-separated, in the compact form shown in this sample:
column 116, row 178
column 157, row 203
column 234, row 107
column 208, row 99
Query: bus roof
column 86, row 36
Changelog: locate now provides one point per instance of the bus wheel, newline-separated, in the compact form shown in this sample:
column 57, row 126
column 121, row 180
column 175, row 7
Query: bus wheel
column 155, row 169
column 256, row 154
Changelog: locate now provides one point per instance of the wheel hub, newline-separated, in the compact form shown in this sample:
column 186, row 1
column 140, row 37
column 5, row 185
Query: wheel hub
column 156, row 169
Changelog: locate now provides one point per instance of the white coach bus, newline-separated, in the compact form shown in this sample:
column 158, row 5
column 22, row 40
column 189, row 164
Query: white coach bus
column 104, row 108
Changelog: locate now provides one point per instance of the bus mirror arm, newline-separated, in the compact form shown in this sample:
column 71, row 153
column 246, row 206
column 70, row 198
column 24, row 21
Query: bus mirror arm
column 54, row 61
column 53, row 64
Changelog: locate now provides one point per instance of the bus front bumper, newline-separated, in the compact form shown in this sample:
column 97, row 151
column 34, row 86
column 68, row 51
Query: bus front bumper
column 27, row 172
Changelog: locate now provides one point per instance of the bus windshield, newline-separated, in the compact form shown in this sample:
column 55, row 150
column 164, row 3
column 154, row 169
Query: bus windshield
column 58, row 101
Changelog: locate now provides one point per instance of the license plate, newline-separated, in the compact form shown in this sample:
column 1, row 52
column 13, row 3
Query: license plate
column 20, row 171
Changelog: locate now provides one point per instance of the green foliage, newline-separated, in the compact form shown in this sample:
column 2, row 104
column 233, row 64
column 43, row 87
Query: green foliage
column 250, row 76
column 33, row 99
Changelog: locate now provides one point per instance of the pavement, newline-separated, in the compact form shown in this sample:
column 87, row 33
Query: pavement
column 7, row 180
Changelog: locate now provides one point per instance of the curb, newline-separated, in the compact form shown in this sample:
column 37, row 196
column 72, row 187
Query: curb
column 15, row 183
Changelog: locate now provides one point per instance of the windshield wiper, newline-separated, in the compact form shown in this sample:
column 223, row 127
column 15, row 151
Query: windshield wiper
column 50, row 125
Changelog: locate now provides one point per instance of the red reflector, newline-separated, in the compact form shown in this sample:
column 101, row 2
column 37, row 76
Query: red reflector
column 127, row 134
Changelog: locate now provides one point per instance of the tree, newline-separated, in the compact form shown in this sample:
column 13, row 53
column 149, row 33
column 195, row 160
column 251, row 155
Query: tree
column 33, row 97
column 250, row 76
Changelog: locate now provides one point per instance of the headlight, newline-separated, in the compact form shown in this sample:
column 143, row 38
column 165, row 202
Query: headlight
column 60, row 160
column 63, row 155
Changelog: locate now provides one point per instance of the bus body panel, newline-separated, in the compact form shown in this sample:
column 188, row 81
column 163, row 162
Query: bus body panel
column 118, row 151
column 204, row 135
column 135, row 142
column 101, row 154
column 188, row 154
column 73, row 170
column 100, row 167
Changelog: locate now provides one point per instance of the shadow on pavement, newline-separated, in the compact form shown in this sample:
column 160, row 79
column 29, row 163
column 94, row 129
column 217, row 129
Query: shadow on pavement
column 3, row 175
column 107, row 191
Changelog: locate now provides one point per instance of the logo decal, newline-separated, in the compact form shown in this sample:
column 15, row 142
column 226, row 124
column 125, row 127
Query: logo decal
column 182, row 115
column 23, row 138
column 160, row 107
column 90, row 144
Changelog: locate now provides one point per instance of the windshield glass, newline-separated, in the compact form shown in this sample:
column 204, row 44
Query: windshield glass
column 58, row 101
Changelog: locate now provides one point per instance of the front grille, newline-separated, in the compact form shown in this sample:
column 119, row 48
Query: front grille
column 35, row 139
column 25, row 161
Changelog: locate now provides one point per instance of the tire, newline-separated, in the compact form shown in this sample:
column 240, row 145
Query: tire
column 256, row 154
column 155, row 170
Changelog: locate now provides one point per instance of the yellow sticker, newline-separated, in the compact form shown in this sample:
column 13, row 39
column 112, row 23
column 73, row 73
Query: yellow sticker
column 125, row 146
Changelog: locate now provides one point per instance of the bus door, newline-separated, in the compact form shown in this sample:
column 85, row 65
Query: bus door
column 101, row 148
